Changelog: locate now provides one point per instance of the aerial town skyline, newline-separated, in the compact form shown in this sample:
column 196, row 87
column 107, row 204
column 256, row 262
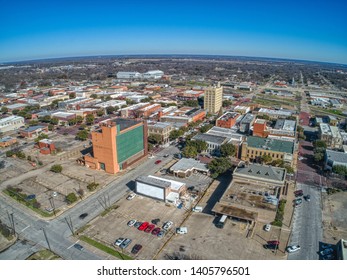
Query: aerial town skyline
column 292, row 30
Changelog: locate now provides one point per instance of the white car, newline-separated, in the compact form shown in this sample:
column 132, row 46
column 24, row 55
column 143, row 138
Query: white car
column 167, row 225
column 132, row 223
column 267, row 227
column 293, row 248
column 131, row 196
column 119, row 241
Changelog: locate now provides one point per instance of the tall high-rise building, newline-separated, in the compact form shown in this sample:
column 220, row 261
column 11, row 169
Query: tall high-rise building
column 118, row 144
column 213, row 99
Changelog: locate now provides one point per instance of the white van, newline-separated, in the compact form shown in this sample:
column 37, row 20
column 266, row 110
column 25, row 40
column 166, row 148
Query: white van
column 222, row 221
column 197, row 209
column 182, row 230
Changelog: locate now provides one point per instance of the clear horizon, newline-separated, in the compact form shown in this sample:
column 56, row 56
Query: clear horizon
column 296, row 30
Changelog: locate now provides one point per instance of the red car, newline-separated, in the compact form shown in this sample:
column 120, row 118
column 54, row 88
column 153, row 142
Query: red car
column 158, row 161
column 156, row 231
column 149, row 228
column 143, row 226
column 273, row 242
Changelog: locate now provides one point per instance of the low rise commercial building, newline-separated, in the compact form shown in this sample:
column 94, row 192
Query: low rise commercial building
column 253, row 194
column 246, row 123
column 128, row 75
column 160, row 188
column 162, row 129
column 255, row 147
column 228, row 119
column 213, row 142
column 33, row 131
column 273, row 114
column 184, row 115
column 334, row 158
column 11, row 123
column 7, row 141
column 187, row 166
column 331, row 135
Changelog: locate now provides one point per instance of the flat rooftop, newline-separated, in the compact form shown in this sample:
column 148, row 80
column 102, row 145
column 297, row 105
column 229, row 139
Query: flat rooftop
column 262, row 171
column 270, row 144
column 187, row 164
column 125, row 123
column 210, row 138
column 229, row 115
column 174, row 185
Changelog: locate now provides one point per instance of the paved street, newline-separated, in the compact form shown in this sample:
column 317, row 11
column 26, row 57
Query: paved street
column 31, row 227
column 307, row 225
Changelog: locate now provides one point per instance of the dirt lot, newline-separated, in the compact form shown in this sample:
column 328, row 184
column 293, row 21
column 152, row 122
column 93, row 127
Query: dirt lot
column 114, row 225
column 334, row 217
column 40, row 181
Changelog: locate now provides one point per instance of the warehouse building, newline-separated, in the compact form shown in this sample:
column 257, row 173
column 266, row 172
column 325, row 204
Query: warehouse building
column 159, row 188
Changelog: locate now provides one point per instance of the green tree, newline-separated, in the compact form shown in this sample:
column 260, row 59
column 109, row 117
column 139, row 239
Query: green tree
column 190, row 152
column 100, row 112
column 191, row 103
column 92, row 186
column 71, row 198
column 79, row 119
column 290, row 170
column 54, row 121
column 89, row 119
column 206, row 128
column 340, row 169
column 319, row 144
column 110, row 110
column 4, row 110
column 50, row 127
column 147, row 99
column 227, row 103
column 56, row 168
column 94, row 96
column 45, row 119
column 227, row 150
column 82, row 135
column 72, row 122
column 199, row 145
column 175, row 134
column 218, row 166
column 266, row 158
column 154, row 138
column 40, row 137
column 72, row 95
column 318, row 157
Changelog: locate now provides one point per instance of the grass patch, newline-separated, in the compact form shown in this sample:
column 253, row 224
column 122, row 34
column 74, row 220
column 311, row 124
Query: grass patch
column 82, row 229
column 44, row 255
column 105, row 248
column 280, row 213
column 30, row 206
column 109, row 209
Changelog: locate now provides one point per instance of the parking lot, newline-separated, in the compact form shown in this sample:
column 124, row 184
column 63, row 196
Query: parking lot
column 108, row 228
column 205, row 241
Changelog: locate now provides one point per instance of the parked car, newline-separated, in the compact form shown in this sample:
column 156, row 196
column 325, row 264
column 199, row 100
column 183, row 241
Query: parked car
column 119, row 241
column 267, row 227
column 182, row 230
column 137, row 224
column 125, row 243
column 273, row 242
column 161, row 233
column 155, row 231
column 136, row 248
column 131, row 196
column 297, row 201
column 132, row 223
column 328, row 257
column 83, row 215
column 155, row 221
column 78, row 247
column 293, row 248
column 271, row 246
column 143, row 226
column 167, row 155
column 167, row 225
column 307, row 197
column 157, row 161
column 299, row 193
column 327, row 251
column 326, row 246
column 149, row 228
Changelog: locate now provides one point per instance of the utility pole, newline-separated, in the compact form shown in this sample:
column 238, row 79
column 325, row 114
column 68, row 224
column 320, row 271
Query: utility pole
column 69, row 224
column 51, row 201
column 44, row 232
column 10, row 218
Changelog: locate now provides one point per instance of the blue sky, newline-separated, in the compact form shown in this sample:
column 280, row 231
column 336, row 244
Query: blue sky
column 309, row 30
